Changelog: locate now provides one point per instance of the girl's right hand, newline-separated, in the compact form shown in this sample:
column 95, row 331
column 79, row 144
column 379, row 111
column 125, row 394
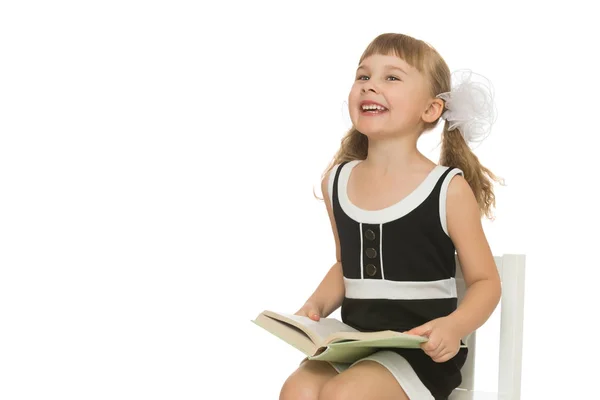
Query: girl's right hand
column 309, row 310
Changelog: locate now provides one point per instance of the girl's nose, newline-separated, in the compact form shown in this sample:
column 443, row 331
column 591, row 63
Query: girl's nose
column 369, row 86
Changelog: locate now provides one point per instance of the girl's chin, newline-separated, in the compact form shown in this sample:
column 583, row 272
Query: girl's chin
column 373, row 124
column 372, row 133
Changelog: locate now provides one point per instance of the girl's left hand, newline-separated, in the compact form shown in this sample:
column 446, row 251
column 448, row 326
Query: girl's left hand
column 444, row 340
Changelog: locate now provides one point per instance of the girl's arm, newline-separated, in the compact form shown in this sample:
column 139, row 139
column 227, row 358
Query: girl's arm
column 476, row 259
column 463, row 220
column 329, row 294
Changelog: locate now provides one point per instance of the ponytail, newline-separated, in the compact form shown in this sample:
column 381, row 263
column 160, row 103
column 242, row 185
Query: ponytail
column 456, row 153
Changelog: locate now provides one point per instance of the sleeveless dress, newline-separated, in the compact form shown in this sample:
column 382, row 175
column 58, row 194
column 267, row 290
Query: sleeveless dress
column 399, row 272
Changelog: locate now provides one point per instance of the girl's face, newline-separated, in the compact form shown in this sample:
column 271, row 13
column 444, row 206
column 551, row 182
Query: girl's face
column 392, row 84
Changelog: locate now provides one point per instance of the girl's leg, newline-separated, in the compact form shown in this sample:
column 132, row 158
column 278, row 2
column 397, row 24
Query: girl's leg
column 367, row 380
column 306, row 382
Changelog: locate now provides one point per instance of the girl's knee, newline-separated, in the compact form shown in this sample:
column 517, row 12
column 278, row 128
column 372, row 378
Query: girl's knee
column 295, row 389
column 306, row 382
column 332, row 390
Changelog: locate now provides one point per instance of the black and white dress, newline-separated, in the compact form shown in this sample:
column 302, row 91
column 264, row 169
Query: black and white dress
column 399, row 273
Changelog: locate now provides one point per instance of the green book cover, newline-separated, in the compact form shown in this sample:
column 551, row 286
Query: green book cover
column 330, row 339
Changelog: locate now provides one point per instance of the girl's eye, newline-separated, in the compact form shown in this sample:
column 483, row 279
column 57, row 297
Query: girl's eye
column 364, row 76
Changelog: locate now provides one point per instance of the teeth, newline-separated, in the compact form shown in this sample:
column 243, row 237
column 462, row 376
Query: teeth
column 373, row 107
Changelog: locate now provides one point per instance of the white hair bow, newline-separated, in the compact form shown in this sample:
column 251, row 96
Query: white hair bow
column 470, row 106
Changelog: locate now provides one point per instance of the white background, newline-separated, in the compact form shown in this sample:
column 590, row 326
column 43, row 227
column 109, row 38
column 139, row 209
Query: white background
column 157, row 167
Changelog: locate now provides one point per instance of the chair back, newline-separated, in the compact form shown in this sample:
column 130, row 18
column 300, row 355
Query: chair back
column 511, row 268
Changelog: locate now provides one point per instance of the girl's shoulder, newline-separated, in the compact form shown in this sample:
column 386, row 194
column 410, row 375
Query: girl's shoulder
column 330, row 176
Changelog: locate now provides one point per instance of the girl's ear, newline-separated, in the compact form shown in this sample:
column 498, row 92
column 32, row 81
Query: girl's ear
column 434, row 110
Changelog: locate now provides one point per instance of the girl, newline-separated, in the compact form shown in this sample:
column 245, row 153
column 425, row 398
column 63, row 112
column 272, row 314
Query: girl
column 397, row 220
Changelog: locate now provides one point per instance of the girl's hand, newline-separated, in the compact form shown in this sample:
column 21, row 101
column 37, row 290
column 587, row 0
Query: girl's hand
column 309, row 310
column 444, row 341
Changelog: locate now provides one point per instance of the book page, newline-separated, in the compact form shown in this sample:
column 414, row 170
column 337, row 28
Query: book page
column 320, row 329
column 288, row 333
column 366, row 336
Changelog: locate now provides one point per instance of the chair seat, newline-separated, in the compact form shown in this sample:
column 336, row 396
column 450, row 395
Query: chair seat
column 460, row 394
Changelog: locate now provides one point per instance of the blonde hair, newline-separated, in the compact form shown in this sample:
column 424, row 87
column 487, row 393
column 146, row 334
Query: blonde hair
column 455, row 152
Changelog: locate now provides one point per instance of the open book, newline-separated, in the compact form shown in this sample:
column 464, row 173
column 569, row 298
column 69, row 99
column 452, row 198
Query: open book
column 331, row 340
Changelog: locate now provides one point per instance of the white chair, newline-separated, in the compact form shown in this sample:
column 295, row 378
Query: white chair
column 511, row 268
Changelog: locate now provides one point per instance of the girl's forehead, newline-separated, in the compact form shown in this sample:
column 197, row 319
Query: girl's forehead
column 387, row 59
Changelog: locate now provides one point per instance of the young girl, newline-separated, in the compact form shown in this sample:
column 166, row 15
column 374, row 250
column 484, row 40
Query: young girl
column 397, row 220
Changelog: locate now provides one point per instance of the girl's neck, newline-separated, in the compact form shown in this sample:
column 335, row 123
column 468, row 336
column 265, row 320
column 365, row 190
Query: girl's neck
column 397, row 155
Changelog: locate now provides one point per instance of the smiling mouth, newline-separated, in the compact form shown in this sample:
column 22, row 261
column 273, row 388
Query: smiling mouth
column 373, row 109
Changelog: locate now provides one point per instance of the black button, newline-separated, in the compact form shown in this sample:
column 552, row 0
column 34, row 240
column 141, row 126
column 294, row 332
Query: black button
column 371, row 269
column 369, row 234
column 371, row 252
